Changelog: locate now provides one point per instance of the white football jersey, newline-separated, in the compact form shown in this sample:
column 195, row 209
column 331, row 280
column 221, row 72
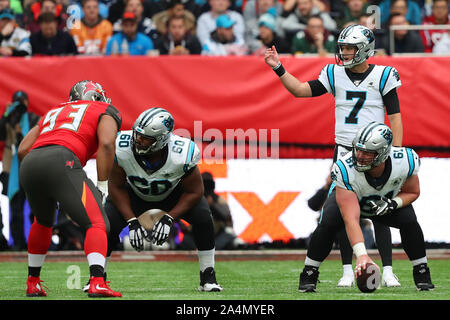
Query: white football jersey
column 183, row 155
column 357, row 104
column 405, row 163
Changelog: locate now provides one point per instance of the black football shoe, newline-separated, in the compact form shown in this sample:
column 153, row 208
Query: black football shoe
column 308, row 279
column 208, row 282
column 422, row 277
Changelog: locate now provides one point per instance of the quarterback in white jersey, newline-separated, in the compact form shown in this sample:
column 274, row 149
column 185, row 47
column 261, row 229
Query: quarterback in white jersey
column 362, row 93
column 379, row 182
column 155, row 169
column 358, row 101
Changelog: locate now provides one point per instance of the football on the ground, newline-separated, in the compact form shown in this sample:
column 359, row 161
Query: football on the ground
column 369, row 280
column 150, row 217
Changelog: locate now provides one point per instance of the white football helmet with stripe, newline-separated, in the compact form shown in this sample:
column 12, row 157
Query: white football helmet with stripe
column 156, row 123
column 360, row 37
column 375, row 138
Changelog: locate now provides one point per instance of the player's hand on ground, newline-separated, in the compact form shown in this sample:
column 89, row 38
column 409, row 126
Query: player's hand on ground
column 361, row 263
column 271, row 57
column 161, row 229
column 137, row 234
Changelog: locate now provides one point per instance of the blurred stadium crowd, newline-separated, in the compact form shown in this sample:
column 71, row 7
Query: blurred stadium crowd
column 212, row 27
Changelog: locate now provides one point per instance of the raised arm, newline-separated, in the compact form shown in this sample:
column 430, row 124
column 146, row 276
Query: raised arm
column 292, row 84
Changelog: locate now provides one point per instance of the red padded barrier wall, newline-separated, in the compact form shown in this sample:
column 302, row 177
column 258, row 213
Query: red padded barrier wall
column 232, row 92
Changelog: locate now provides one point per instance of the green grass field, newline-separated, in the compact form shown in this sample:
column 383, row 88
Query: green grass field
column 241, row 280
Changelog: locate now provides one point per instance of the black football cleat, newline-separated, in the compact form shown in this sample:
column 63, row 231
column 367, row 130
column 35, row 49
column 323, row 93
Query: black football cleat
column 308, row 279
column 422, row 277
column 208, row 281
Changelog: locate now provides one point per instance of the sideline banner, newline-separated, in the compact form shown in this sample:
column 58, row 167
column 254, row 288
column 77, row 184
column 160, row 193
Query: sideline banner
column 231, row 92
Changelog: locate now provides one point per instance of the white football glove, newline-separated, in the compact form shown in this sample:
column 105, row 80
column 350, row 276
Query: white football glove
column 137, row 234
column 161, row 230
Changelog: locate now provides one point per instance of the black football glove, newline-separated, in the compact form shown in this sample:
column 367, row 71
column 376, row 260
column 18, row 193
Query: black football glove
column 137, row 234
column 161, row 230
column 383, row 207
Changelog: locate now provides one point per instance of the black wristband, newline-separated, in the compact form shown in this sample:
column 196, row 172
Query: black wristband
column 279, row 69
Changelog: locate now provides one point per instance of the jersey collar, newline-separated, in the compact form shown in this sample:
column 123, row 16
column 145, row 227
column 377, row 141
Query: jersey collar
column 378, row 183
column 358, row 78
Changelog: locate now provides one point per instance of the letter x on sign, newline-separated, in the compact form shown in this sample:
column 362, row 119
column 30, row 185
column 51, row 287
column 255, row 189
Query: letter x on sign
column 265, row 216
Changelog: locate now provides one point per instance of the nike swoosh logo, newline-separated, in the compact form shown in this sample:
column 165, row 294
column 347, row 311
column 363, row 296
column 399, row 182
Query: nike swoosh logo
column 99, row 288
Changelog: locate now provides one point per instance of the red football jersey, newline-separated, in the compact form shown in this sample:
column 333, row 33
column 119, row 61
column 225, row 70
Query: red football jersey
column 74, row 126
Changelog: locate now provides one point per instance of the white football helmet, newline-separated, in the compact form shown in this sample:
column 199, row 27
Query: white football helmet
column 376, row 138
column 156, row 123
column 362, row 38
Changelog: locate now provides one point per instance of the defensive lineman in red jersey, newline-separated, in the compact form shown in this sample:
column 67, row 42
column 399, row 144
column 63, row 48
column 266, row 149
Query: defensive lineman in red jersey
column 53, row 154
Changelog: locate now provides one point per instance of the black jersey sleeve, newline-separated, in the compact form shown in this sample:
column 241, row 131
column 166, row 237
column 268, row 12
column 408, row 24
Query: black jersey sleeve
column 317, row 88
column 391, row 102
column 113, row 112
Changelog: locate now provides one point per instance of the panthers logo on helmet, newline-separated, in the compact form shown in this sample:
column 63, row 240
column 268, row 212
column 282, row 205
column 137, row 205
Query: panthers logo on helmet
column 169, row 123
column 387, row 134
column 368, row 34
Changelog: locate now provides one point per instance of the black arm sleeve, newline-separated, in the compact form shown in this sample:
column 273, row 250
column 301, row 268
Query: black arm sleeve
column 3, row 122
column 317, row 88
column 391, row 102
column 113, row 112
column 189, row 172
column 19, row 53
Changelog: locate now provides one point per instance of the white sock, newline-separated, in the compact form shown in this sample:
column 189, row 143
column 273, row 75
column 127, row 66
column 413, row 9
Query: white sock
column 36, row 260
column 206, row 258
column 419, row 261
column 96, row 258
column 387, row 269
column 312, row 263
column 348, row 269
